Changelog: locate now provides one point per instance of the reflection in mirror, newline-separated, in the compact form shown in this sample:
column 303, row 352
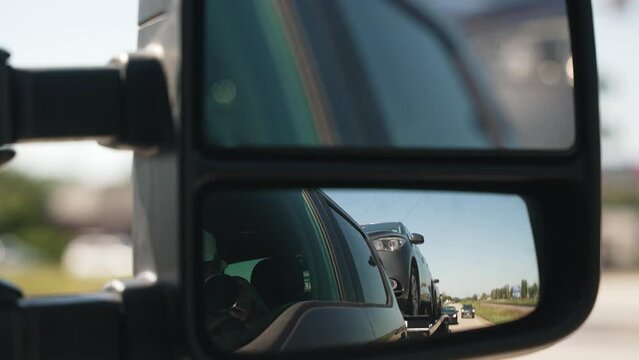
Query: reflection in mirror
column 300, row 269
column 417, row 74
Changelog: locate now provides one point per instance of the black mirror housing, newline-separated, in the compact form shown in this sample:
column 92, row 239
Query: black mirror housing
column 416, row 238
column 560, row 189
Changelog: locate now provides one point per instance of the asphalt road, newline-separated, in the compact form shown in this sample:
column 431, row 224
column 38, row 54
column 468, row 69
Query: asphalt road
column 467, row 323
column 611, row 331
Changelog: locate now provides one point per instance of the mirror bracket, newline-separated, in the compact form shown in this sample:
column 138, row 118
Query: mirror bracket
column 124, row 105
column 149, row 310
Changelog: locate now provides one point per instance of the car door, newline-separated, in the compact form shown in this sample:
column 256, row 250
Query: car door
column 424, row 275
column 368, row 277
column 286, row 234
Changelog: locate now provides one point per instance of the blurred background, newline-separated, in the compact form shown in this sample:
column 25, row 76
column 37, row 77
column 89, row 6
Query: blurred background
column 65, row 208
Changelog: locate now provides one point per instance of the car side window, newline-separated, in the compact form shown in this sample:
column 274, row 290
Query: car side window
column 395, row 85
column 368, row 272
column 270, row 232
column 265, row 252
column 406, row 232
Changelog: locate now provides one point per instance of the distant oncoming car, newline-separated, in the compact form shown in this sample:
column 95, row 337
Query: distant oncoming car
column 451, row 311
column 406, row 267
column 467, row 310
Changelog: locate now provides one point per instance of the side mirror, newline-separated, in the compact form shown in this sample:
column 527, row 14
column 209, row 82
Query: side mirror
column 416, row 238
column 330, row 95
column 436, row 281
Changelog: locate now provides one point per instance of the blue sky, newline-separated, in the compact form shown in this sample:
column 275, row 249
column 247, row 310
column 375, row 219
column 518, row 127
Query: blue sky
column 473, row 242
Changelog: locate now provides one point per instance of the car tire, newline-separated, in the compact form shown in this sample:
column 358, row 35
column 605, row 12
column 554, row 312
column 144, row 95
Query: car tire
column 436, row 306
column 413, row 295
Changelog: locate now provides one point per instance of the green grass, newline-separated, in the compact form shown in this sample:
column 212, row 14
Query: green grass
column 522, row 302
column 49, row 280
column 497, row 315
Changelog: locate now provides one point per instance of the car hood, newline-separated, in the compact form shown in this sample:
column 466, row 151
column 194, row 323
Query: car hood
column 383, row 233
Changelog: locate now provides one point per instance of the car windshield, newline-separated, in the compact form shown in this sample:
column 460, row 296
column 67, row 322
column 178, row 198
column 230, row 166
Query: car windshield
column 467, row 307
column 449, row 308
column 394, row 227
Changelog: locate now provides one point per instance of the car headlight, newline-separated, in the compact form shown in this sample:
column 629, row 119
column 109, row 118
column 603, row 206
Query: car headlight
column 388, row 244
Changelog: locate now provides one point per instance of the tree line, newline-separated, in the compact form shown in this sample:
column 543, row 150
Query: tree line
column 24, row 215
column 506, row 292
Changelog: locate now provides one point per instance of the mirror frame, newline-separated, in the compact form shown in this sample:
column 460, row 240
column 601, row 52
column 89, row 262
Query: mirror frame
column 561, row 190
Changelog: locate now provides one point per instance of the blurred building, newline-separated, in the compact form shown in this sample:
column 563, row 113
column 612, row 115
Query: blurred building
column 102, row 220
column 620, row 219
column 99, row 256
column 524, row 48
column 620, row 238
column 81, row 208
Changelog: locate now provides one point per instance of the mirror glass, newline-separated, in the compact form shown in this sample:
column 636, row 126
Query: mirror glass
column 414, row 74
column 301, row 269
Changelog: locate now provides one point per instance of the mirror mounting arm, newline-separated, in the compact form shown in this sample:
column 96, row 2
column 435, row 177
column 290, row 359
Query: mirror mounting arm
column 124, row 105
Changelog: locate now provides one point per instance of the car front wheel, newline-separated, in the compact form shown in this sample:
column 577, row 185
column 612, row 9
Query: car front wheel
column 413, row 295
